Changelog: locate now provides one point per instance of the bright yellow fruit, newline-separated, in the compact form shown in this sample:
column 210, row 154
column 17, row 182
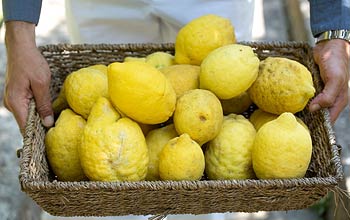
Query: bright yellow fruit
column 156, row 140
column 160, row 59
column 131, row 59
column 282, row 149
column 62, row 143
column 183, row 77
column 141, row 92
column 83, row 88
column 113, row 148
column 259, row 118
column 181, row 159
column 200, row 36
column 103, row 112
column 236, row 105
column 228, row 156
column 229, row 70
column 99, row 67
column 198, row 113
column 283, row 85
column 60, row 103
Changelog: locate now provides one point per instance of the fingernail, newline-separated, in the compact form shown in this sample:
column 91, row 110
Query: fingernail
column 48, row 121
column 315, row 107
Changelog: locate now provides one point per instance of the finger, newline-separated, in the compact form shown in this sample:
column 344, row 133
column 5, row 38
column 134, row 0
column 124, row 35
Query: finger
column 19, row 109
column 339, row 105
column 327, row 97
column 42, row 98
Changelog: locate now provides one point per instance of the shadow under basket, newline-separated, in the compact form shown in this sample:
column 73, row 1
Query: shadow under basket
column 92, row 198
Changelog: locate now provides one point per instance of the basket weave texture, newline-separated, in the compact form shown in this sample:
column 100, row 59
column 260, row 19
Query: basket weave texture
column 92, row 198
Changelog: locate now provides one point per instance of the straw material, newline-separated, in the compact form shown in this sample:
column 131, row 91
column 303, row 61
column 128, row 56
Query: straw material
column 170, row 197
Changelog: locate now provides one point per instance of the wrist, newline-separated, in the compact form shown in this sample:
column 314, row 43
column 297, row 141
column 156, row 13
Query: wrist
column 334, row 34
column 19, row 34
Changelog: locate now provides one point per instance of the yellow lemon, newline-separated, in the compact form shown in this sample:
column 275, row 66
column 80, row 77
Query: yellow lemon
column 131, row 59
column 62, row 144
column 83, row 88
column 156, row 140
column 259, row 118
column 99, row 67
column 198, row 113
column 283, row 85
column 229, row 70
column 160, row 59
column 228, row 156
column 141, row 92
column 113, row 148
column 282, row 149
column 183, row 77
column 181, row 159
column 200, row 36
column 236, row 105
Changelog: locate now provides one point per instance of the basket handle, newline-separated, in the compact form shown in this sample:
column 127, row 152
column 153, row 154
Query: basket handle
column 19, row 152
column 158, row 217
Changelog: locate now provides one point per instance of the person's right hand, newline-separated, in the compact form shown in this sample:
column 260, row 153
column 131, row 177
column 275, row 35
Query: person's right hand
column 28, row 75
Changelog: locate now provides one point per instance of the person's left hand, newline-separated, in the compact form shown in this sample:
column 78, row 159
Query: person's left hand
column 332, row 57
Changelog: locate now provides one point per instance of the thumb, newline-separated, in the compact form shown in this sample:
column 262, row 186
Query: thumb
column 43, row 104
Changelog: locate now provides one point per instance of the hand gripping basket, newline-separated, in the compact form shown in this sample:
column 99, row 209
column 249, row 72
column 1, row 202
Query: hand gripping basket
column 171, row 197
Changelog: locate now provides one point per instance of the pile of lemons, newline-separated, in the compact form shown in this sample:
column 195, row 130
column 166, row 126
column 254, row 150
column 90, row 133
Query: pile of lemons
column 179, row 117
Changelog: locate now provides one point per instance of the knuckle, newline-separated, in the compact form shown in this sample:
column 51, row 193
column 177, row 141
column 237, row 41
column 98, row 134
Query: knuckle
column 44, row 108
column 42, row 79
column 328, row 101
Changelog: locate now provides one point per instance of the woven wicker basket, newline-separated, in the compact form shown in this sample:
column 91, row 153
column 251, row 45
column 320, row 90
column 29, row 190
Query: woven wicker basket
column 171, row 197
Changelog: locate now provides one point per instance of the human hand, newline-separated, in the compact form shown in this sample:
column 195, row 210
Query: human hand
column 332, row 57
column 28, row 75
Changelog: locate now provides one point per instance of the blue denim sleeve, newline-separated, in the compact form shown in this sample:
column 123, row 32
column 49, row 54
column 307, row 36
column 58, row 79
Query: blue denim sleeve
column 21, row 10
column 329, row 15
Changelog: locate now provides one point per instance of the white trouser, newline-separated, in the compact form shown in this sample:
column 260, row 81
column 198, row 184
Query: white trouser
column 145, row 21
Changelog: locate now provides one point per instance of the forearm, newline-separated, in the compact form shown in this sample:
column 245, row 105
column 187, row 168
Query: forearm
column 329, row 15
column 22, row 10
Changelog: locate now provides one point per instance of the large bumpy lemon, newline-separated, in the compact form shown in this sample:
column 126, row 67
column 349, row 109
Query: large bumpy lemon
column 282, row 149
column 283, row 85
column 62, row 143
column 113, row 148
column 260, row 117
column 183, row 77
column 100, row 67
column 156, row 140
column 181, row 159
column 132, row 59
column 236, row 105
column 141, row 92
column 229, row 70
column 198, row 113
column 160, row 59
column 228, row 156
column 83, row 88
column 200, row 36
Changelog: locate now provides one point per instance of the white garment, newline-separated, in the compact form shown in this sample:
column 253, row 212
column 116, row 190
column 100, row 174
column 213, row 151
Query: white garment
column 145, row 21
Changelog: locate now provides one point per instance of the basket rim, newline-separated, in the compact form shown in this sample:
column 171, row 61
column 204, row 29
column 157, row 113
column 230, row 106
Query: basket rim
column 179, row 185
column 165, row 46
